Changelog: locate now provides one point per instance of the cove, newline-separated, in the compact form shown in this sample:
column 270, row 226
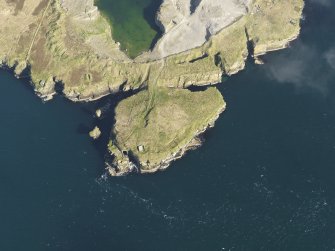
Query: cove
column 133, row 23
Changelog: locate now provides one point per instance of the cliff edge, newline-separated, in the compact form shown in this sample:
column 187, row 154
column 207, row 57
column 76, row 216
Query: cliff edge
column 68, row 43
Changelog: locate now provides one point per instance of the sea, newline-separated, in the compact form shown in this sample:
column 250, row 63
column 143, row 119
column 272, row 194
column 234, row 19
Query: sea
column 264, row 178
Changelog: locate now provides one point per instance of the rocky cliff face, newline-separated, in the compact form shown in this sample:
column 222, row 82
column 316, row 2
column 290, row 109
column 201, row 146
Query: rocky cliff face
column 206, row 38
column 68, row 43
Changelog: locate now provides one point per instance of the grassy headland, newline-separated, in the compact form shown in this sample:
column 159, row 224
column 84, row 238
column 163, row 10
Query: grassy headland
column 155, row 130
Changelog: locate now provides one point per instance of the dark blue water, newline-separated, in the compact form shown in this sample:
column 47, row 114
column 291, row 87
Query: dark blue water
column 263, row 180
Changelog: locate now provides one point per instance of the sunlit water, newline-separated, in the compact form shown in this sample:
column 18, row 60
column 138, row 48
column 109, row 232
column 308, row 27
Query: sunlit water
column 263, row 180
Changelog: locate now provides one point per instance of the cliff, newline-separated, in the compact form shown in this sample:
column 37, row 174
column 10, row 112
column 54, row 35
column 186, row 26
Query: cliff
column 69, row 43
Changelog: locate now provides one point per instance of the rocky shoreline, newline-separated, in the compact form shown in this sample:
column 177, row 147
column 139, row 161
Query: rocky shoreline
column 276, row 47
column 68, row 48
column 193, row 144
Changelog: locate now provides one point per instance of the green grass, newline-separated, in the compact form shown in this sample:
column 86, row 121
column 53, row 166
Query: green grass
column 274, row 23
column 133, row 23
column 174, row 119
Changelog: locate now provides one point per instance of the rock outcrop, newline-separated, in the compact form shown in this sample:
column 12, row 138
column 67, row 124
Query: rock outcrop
column 95, row 133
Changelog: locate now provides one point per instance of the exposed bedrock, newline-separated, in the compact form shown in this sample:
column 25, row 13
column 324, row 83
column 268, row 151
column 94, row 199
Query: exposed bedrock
column 190, row 23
